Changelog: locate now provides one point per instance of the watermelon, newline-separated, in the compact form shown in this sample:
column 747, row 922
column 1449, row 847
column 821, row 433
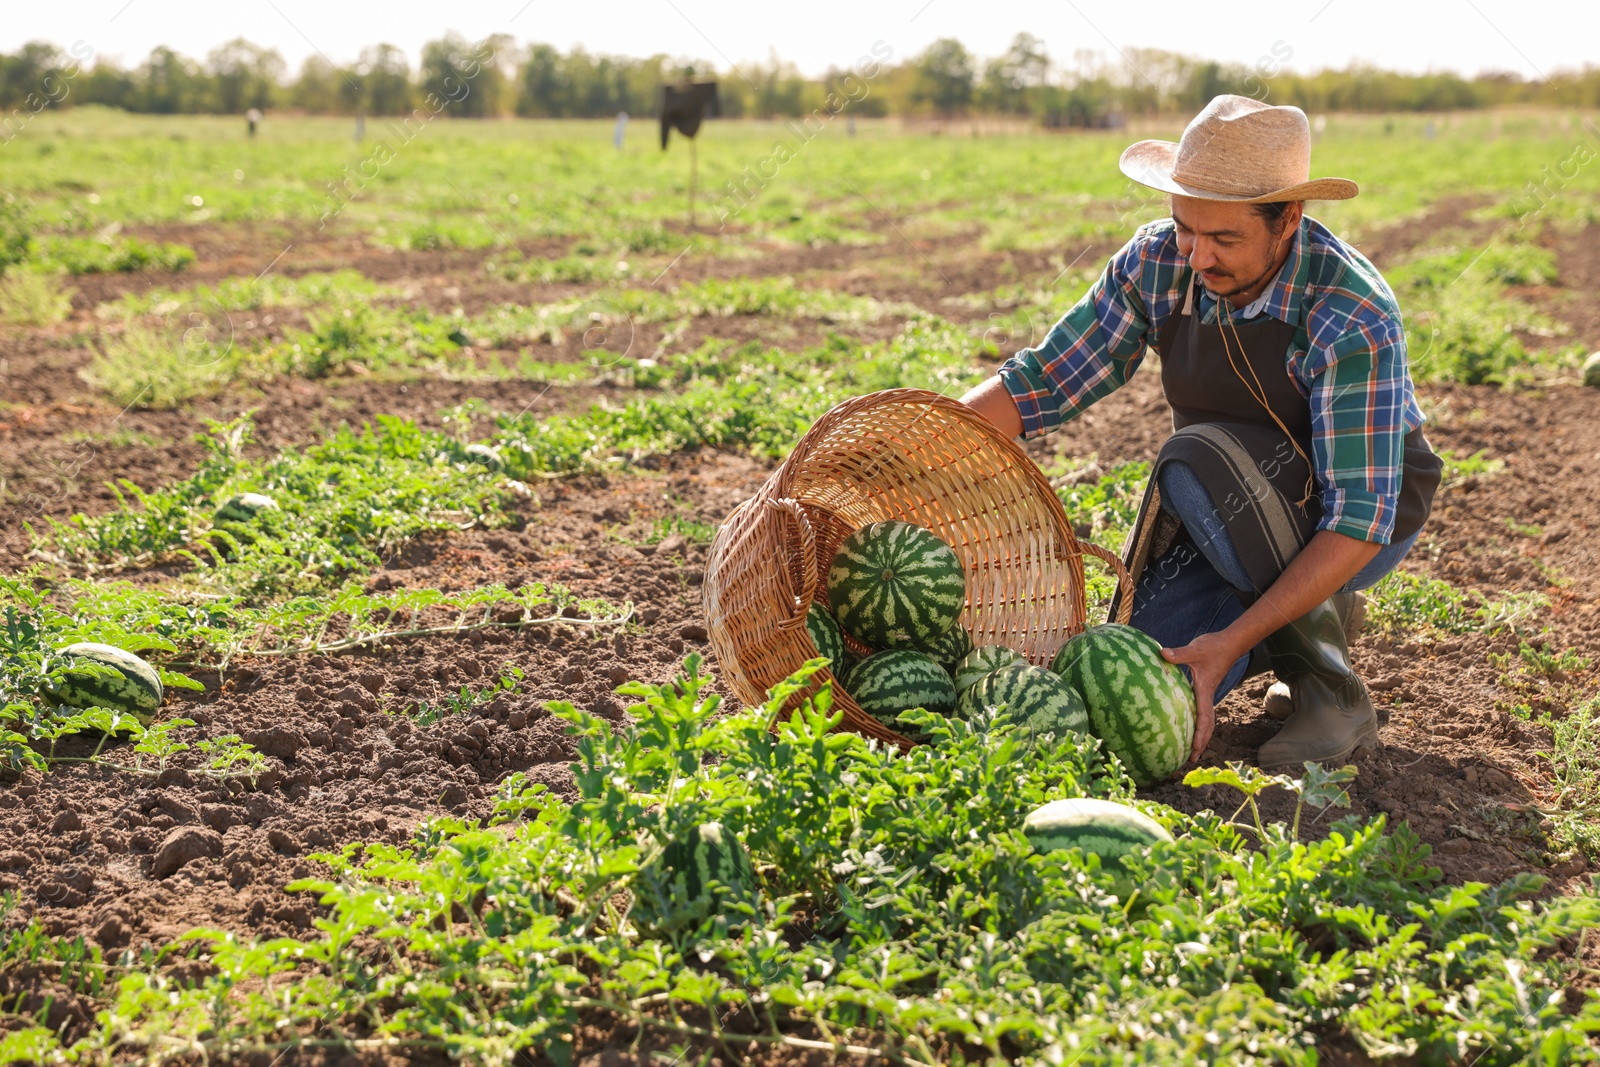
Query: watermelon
column 1140, row 705
column 1036, row 699
column 826, row 636
column 1104, row 827
column 896, row 585
column 981, row 661
column 1591, row 371
column 705, row 854
column 948, row 648
column 244, row 507
column 887, row 683
column 131, row 686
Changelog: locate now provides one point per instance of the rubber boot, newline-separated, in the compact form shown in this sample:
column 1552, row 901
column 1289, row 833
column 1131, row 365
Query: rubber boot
column 1333, row 715
column 1279, row 701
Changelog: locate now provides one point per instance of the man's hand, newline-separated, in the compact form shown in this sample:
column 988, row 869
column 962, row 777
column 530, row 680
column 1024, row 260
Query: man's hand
column 1321, row 569
column 1208, row 658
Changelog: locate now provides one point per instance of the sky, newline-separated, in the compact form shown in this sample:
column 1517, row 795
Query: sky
column 1466, row 36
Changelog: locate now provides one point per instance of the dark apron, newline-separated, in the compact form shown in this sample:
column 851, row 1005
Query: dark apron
column 1256, row 478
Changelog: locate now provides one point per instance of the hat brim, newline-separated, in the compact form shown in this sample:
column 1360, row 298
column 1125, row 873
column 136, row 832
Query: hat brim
column 1150, row 163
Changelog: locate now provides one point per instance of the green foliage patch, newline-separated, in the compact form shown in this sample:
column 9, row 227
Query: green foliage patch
column 1410, row 606
column 1461, row 326
column 33, row 298
column 895, row 910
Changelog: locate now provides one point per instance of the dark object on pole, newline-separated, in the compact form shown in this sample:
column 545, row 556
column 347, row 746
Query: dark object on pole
column 685, row 104
column 682, row 107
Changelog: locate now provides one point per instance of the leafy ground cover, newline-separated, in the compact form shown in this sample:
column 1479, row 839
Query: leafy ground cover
column 895, row 909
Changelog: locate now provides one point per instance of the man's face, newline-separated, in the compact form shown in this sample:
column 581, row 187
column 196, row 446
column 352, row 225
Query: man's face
column 1230, row 247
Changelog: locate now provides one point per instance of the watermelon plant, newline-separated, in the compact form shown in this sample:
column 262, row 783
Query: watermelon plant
column 906, row 913
column 1139, row 705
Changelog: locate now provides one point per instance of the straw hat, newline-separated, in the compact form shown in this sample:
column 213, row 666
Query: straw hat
column 1237, row 149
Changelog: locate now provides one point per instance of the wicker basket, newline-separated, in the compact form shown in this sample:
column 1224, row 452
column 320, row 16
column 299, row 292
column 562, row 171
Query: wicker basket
column 910, row 455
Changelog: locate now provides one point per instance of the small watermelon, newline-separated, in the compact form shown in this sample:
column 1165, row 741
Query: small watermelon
column 131, row 686
column 887, row 683
column 244, row 507
column 826, row 636
column 1140, row 705
column 895, row 585
column 1591, row 371
column 1104, row 827
column 1033, row 698
column 706, row 854
column 487, row 455
column 949, row 647
column 983, row 660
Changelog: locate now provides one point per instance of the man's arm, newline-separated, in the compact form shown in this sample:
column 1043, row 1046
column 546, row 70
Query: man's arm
column 1094, row 348
column 1320, row 570
column 992, row 400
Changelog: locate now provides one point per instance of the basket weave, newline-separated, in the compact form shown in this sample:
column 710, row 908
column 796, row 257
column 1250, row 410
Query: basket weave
column 914, row 456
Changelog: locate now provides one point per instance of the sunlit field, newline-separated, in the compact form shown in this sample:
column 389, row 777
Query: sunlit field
column 433, row 711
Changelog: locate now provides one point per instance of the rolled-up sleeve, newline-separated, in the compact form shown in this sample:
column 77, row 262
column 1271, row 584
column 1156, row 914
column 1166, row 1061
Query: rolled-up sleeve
column 1092, row 351
column 1358, row 395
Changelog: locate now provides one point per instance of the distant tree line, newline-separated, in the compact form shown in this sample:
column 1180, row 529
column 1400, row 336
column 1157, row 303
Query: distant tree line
column 497, row 77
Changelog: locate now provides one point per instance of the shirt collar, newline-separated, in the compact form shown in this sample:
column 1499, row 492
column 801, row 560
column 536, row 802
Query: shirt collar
column 1281, row 299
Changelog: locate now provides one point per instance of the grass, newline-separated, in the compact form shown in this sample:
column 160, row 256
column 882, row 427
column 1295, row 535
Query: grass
column 1457, row 470
column 1461, row 326
column 152, row 367
column 1574, row 759
column 33, row 298
column 894, row 910
column 249, row 294
column 517, row 181
column 1406, row 606
column 1555, row 689
column 179, row 345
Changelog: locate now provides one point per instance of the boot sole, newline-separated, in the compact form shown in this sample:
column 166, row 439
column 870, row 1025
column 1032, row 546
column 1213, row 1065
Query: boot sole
column 1366, row 740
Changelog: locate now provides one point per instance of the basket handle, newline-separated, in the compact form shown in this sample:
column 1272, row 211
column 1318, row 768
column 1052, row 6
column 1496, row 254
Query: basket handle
column 808, row 559
column 1124, row 579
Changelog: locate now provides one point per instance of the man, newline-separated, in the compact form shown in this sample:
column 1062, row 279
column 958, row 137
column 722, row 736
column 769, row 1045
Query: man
column 1296, row 473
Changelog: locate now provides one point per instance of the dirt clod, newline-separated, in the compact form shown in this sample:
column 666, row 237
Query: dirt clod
column 182, row 846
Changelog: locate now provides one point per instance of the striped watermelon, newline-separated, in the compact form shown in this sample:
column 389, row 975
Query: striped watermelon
column 1140, row 705
column 130, row 685
column 244, row 506
column 1103, row 827
column 896, row 585
column 706, row 854
column 949, row 647
column 1033, row 698
column 887, row 683
column 983, row 660
column 826, row 636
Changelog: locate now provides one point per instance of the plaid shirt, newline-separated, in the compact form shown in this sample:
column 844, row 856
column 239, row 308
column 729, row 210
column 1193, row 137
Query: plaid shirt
column 1348, row 359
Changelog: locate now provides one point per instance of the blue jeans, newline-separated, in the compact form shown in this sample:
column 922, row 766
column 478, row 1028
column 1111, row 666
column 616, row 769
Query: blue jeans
column 1192, row 590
